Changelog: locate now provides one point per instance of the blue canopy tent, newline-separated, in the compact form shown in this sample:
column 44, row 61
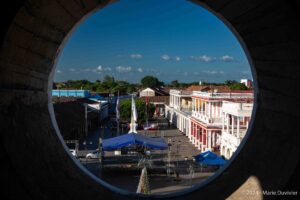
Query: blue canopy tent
column 127, row 140
column 209, row 158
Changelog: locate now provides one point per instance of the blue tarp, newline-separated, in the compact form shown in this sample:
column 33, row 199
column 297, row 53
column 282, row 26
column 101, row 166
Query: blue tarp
column 209, row 158
column 126, row 140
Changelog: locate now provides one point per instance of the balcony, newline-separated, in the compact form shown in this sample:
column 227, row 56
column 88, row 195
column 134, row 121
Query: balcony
column 232, row 138
column 180, row 93
column 206, row 119
column 223, row 95
column 238, row 109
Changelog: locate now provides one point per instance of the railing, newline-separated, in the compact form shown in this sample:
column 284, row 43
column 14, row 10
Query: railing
column 223, row 95
column 242, row 133
column 189, row 110
column 209, row 120
column 232, row 138
column 180, row 92
column 237, row 106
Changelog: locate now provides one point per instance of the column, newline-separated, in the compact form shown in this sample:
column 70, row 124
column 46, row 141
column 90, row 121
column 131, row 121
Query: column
column 232, row 124
column 238, row 127
column 210, row 109
column 194, row 130
column 197, row 132
column 208, row 139
column 193, row 104
column 201, row 107
column 223, row 121
column 227, row 117
column 204, row 142
column 213, row 139
column 172, row 101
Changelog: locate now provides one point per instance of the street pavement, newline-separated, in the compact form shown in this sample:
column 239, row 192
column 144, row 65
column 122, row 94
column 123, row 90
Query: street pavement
column 126, row 176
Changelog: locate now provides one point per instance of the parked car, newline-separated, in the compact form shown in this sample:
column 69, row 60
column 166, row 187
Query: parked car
column 93, row 154
column 73, row 152
column 151, row 126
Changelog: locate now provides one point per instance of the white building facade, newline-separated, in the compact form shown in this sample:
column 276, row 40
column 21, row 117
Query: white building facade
column 235, row 121
column 148, row 92
column 178, row 112
column 201, row 116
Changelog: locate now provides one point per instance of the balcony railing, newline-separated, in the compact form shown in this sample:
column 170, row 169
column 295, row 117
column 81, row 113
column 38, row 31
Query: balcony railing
column 223, row 95
column 237, row 106
column 180, row 92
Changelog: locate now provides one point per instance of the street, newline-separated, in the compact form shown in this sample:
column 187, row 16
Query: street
column 123, row 171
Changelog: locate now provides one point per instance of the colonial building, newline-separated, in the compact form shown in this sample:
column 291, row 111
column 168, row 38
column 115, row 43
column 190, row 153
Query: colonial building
column 151, row 92
column 206, row 121
column 157, row 96
column 199, row 114
column 235, row 121
column 178, row 112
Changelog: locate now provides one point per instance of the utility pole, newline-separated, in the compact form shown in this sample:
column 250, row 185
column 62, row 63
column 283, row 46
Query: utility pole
column 85, row 118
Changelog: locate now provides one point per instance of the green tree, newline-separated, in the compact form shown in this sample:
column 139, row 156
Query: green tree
column 151, row 81
column 175, row 84
column 238, row 86
column 125, row 110
column 230, row 82
column 109, row 83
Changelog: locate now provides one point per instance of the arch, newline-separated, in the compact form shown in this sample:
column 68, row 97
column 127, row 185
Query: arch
column 223, row 151
column 36, row 31
column 228, row 153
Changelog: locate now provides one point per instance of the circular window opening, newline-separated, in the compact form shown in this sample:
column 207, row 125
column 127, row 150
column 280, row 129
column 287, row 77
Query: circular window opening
column 153, row 98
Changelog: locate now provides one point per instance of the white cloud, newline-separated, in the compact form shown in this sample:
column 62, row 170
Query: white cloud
column 72, row 70
column 206, row 58
column 58, row 71
column 203, row 58
column 140, row 69
column 213, row 72
column 136, row 56
column 123, row 69
column 88, row 70
column 177, row 58
column 100, row 69
column 165, row 57
column 226, row 58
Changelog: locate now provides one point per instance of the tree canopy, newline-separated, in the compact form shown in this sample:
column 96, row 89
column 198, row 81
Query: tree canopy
column 234, row 85
column 109, row 84
column 125, row 110
column 151, row 81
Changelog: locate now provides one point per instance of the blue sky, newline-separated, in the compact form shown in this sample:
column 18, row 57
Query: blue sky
column 170, row 39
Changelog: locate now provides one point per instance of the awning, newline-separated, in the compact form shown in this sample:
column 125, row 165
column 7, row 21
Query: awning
column 209, row 158
column 127, row 140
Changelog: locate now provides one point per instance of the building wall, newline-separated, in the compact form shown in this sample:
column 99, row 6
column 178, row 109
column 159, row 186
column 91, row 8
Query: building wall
column 71, row 93
column 147, row 92
column 235, row 120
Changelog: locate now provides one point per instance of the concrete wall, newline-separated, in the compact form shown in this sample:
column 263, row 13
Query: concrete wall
column 36, row 165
